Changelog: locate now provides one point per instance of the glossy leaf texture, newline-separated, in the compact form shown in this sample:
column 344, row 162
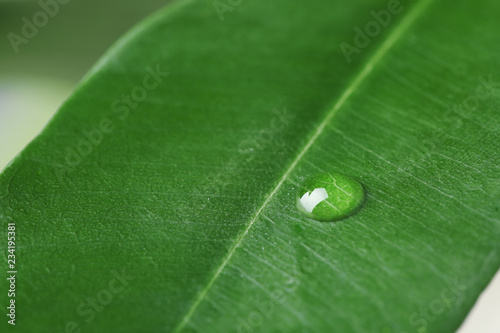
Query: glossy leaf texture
column 174, row 209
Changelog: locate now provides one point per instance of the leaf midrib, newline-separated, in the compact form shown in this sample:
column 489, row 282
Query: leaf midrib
column 386, row 45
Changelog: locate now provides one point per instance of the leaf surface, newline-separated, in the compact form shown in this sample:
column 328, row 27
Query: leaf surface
column 174, row 208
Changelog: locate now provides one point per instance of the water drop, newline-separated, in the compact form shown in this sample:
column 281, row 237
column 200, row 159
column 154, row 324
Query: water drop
column 329, row 196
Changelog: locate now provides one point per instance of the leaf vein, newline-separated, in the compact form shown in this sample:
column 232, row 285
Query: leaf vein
column 357, row 81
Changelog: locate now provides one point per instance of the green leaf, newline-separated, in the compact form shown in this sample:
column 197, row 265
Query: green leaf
column 174, row 210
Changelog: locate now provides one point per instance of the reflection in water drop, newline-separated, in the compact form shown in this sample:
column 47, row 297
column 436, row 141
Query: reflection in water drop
column 329, row 196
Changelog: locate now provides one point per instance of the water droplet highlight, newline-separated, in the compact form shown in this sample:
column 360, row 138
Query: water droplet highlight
column 329, row 196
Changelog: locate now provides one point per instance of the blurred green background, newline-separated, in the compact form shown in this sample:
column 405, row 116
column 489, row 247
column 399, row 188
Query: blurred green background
column 37, row 79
